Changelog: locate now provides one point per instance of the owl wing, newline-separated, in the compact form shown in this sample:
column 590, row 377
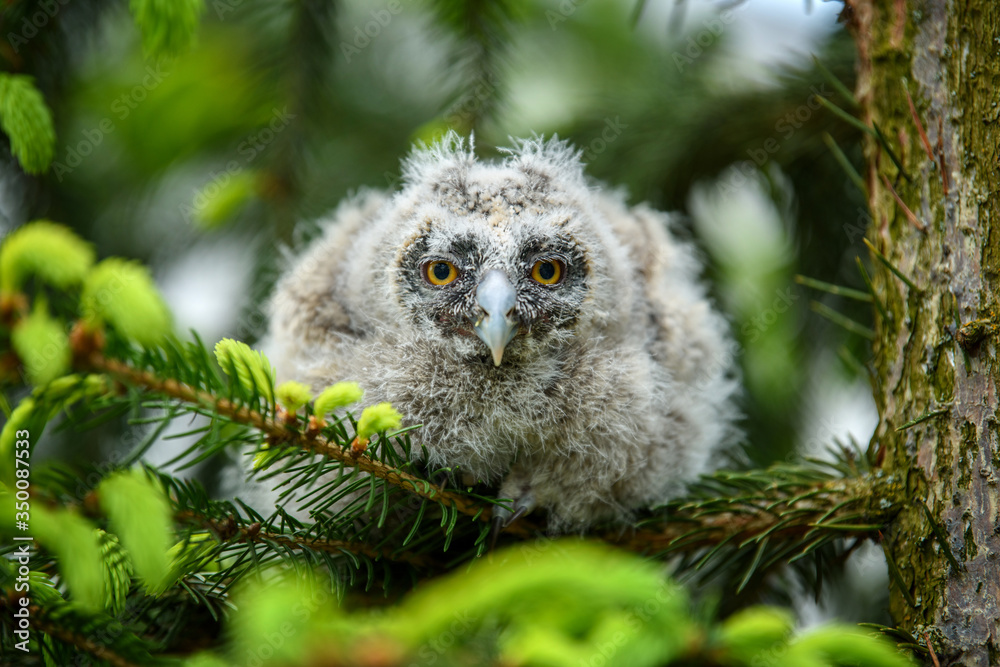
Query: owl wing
column 313, row 310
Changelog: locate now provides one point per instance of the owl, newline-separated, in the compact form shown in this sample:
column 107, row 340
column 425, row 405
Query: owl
column 552, row 341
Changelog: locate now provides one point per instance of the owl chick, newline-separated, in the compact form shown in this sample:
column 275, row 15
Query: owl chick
column 546, row 336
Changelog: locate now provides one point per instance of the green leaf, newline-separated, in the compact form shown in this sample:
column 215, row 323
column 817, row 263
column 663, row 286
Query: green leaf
column 749, row 633
column 117, row 574
column 21, row 419
column 844, row 645
column 337, row 396
column 122, row 293
column 51, row 251
column 168, row 26
column 140, row 515
column 253, row 369
column 26, row 119
column 293, row 395
column 378, row 419
column 75, row 542
column 42, row 344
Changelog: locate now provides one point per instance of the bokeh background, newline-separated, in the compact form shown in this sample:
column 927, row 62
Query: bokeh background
column 213, row 165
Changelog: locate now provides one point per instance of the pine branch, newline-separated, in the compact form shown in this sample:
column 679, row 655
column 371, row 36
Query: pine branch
column 281, row 434
column 81, row 642
column 230, row 531
column 793, row 514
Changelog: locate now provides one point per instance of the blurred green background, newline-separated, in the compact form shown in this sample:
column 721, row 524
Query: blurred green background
column 212, row 165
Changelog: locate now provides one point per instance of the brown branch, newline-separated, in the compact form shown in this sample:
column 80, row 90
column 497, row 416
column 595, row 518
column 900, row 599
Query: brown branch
column 229, row 531
column 768, row 513
column 85, row 644
column 692, row 527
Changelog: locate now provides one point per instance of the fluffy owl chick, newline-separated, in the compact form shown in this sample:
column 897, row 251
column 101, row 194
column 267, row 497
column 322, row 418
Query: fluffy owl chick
column 548, row 337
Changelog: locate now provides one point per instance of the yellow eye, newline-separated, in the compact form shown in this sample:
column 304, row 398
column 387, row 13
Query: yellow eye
column 547, row 271
column 440, row 272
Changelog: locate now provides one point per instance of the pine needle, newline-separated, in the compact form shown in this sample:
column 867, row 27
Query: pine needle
column 871, row 288
column 844, row 163
column 889, row 265
column 842, row 320
column 836, row 83
column 833, row 289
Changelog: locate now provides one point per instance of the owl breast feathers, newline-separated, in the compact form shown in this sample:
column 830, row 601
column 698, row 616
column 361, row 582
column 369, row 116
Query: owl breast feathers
column 549, row 338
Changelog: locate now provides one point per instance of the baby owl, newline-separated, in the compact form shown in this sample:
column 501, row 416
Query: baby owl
column 549, row 338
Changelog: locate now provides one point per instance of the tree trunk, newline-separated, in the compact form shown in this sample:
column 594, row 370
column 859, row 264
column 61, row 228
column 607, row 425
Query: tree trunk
column 935, row 351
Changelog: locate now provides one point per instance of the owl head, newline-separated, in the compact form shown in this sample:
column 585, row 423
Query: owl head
column 500, row 262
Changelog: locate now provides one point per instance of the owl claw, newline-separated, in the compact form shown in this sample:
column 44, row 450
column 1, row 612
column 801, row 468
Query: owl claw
column 503, row 517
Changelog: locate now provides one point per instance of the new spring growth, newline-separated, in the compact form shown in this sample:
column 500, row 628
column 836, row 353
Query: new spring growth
column 42, row 405
column 252, row 369
column 42, row 345
column 122, row 294
column 293, row 395
column 336, row 396
column 49, row 251
column 375, row 419
column 27, row 121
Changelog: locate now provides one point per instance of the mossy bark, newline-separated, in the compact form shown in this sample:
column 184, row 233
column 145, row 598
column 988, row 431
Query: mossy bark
column 938, row 222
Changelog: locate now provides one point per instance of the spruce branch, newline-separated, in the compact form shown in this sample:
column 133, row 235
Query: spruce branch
column 795, row 513
column 281, row 434
column 231, row 532
column 66, row 624
column 796, row 508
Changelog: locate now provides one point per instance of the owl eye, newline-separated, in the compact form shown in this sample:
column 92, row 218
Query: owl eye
column 439, row 272
column 547, row 271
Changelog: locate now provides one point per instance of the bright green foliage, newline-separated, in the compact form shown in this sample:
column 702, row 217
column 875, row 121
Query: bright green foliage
column 293, row 395
column 337, row 396
column 42, row 344
column 168, row 26
column 139, row 513
column 76, row 544
column 34, row 411
column 122, row 293
column 20, row 420
column 750, row 632
column 27, row 121
column 252, row 369
column 216, row 203
column 378, row 419
column 46, row 249
column 533, row 604
column 118, row 572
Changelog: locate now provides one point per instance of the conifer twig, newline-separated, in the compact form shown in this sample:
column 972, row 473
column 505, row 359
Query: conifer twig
column 790, row 512
column 231, row 532
column 281, row 434
column 85, row 644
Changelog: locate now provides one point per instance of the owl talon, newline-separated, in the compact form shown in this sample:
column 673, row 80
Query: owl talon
column 498, row 524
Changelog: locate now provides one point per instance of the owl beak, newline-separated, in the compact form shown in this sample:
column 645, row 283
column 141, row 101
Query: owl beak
column 496, row 296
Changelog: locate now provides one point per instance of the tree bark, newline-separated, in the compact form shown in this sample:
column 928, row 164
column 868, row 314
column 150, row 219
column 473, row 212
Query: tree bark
column 935, row 351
